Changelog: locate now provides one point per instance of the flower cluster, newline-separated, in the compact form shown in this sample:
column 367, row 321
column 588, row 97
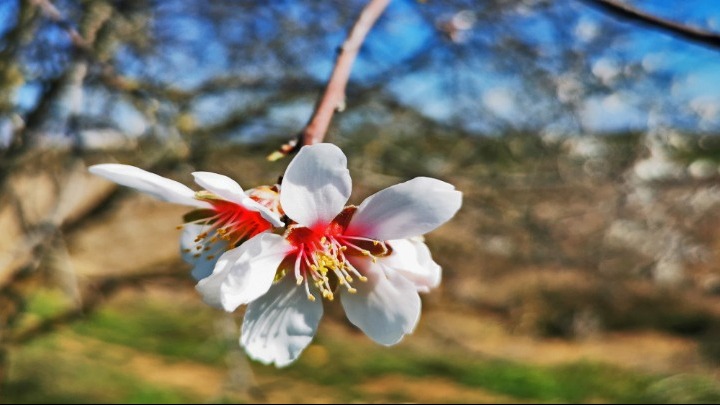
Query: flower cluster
column 372, row 256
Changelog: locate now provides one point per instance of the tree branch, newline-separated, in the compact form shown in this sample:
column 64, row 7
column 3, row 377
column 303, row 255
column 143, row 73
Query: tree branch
column 333, row 99
column 627, row 12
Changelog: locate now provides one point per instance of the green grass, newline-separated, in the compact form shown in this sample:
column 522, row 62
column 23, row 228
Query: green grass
column 176, row 331
column 575, row 382
column 43, row 372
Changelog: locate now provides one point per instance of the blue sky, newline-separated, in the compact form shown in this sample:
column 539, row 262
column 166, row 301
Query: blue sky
column 403, row 31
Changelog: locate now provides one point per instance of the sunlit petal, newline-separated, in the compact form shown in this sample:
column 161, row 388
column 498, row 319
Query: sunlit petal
column 221, row 185
column 245, row 273
column 228, row 189
column 150, row 183
column 280, row 324
column 386, row 307
column 316, row 185
column 412, row 259
column 407, row 209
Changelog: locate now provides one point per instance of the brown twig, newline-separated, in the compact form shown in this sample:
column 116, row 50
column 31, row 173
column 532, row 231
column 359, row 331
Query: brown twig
column 333, row 99
column 53, row 14
column 626, row 12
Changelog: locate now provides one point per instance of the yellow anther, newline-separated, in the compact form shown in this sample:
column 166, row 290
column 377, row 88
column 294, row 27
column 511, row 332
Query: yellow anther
column 352, row 290
column 349, row 279
column 299, row 280
column 279, row 275
column 311, row 297
column 363, row 278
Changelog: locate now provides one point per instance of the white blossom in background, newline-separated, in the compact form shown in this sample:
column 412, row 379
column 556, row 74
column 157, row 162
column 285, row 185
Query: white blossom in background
column 224, row 216
column 371, row 255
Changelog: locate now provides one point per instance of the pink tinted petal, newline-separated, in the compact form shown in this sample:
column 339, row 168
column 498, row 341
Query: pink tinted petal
column 407, row 209
column 386, row 307
column 209, row 252
column 316, row 185
column 149, row 183
column 412, row 259
column 280, row 324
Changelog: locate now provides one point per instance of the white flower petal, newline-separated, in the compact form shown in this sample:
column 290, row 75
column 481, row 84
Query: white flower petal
column 210, row 286
column 316, row 185
column 150, row 183
column 386, row 307
column 228, row 189
column 245, row 273
column 189, row 248
column 264, row 211
column 220, row 185
column 280, row 324
column 407, row 209
column 412, row 259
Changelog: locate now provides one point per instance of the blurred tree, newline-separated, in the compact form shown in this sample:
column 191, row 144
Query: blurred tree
column 182, row 78
column 189, row 73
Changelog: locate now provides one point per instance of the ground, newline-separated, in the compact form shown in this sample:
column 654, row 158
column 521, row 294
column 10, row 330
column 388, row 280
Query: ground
column 567, row 276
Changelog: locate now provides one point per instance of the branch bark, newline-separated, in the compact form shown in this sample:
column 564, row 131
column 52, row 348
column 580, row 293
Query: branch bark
column 333, row 98
column 626, row 12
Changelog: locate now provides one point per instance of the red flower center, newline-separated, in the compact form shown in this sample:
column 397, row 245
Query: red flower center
column 225, row 221
column 323, row 250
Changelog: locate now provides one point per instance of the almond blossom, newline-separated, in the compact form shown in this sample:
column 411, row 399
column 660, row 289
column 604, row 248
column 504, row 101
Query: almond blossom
column 370, row 255
column 224, row 215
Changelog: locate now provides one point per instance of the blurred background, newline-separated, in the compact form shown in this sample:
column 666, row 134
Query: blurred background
column 583, row 265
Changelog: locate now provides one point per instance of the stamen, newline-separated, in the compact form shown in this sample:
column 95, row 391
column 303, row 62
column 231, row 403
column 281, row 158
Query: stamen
column 320, row 257
column 225, row 221
column 307, row 291
column 299, row 276
column 364, row 252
